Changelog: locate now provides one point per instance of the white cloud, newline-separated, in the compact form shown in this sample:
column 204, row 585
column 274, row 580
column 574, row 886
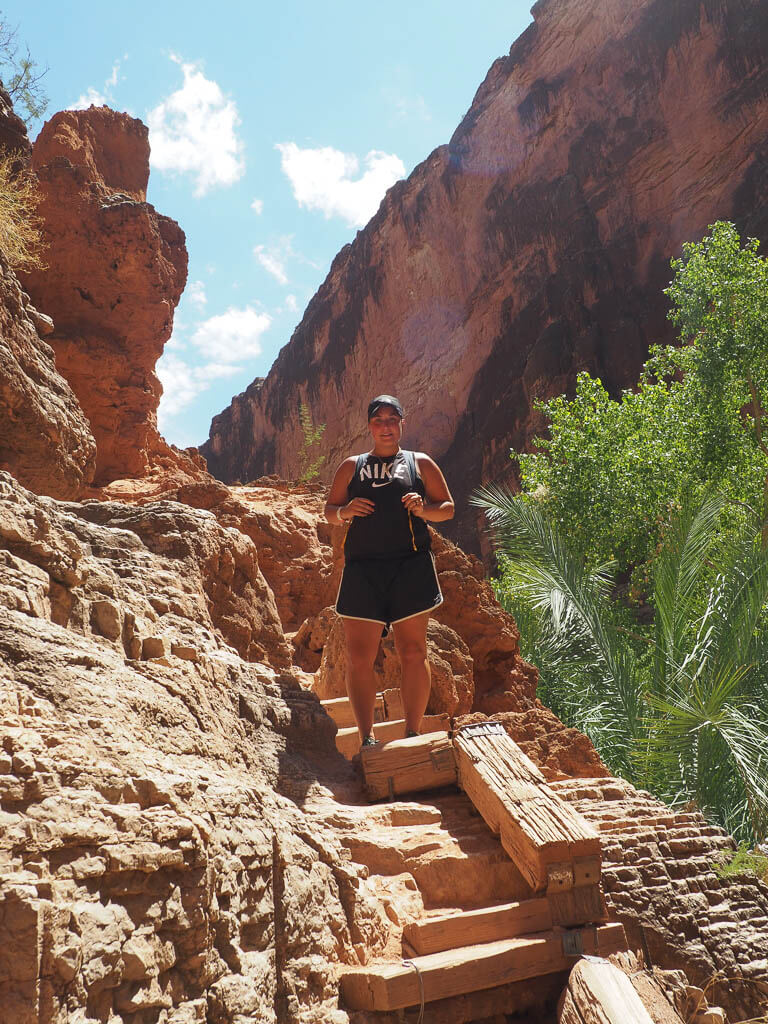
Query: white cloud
column 229, row 338
column 85, row 99
column 322, row 179
column 196, row 293
column 227, row 341
column 291, row 303
column 95, row 96
column 273, row 262
column 194, row 131
column 258, row 205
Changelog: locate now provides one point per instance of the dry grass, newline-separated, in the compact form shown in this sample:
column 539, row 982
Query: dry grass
column 21, row 240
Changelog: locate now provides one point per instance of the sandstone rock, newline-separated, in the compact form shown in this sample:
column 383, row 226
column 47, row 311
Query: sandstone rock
column 115, row 272
column 13, row 131
column 45, row 439
column 145, row 843
column 559, row 751
column 672, row 904
column 503, row 681
column 533, row 245
column 449, row 660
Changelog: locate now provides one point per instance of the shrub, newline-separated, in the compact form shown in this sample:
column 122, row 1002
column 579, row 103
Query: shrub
column 744, row 862
column 20, row 228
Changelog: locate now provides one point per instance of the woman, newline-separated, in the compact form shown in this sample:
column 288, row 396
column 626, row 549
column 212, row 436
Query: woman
column 385, row 498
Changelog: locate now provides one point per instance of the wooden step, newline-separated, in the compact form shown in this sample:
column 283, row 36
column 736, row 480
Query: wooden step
column 348, row 740
column 408, row 765
column 341, row 712
column 471, row 968
column 553, row 847
column 472, row 927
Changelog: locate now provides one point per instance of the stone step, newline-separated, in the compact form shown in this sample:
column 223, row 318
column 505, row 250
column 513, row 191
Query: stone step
column 456, row 972
column 340, row 710
column 348, row 740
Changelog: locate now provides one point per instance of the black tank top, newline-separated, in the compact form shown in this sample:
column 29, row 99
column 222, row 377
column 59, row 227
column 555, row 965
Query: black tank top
column 390, row 531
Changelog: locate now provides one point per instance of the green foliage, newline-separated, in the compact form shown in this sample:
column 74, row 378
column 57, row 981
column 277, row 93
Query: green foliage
column 744, row 862
column 21, row 75
column 613, row 472
column 309, row 467
column 680, row 707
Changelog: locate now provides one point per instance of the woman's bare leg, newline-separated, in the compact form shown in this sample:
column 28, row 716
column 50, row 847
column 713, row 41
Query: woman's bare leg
column 411, row 644
column 363, row 639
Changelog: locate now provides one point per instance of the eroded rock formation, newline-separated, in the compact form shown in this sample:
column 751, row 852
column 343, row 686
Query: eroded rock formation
column 180, row 841
column 45, row 438
column 534, row 245
column 115, row 270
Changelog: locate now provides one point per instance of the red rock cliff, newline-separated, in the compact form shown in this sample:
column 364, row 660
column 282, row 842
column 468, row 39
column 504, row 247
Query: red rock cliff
column 115, row 272
column 532, row 246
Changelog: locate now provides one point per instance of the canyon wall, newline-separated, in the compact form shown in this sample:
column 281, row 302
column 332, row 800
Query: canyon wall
column 114, row 272
column 532, row 246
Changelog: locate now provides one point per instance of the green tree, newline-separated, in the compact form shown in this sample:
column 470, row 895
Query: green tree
column 720, row 304
column 680, row 708
column 311, row 435
column 613, row 472
column 21, row 75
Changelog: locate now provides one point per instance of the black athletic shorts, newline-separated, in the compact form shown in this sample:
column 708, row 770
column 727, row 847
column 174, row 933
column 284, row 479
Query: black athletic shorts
column 389, row 590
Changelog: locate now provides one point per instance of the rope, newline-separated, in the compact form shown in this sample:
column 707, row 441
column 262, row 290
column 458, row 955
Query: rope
column 410, row 963
column 413, row 538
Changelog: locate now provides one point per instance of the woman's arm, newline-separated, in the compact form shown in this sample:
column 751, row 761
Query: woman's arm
column 438, row 504
column 337, row 509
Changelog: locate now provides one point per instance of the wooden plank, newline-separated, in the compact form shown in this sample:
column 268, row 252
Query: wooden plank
column 348, row 740
column 456, row 972
column 341, row 712
column 408, row 765
column 603, row 994
column 538, row 829
column 471, row 927
column 583, row 904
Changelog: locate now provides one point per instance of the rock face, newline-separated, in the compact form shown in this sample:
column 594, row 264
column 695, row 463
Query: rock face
column 181, row 842
column 115, row 272
column 532, row 246
column 13, row 131
column 45, row 439
column 153, row 862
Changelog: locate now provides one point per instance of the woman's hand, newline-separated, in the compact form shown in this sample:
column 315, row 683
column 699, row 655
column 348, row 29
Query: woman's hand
column 356, row 507
column 414, row 502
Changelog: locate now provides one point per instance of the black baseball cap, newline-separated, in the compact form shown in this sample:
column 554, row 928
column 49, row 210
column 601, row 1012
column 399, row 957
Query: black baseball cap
column 377, row 403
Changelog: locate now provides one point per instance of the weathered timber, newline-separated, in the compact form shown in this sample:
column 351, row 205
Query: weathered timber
column 584, row 904
column 348, row 740
column 600, row 993
column 341, row 712
column 471, row 968
column 542, row 833
column 471, row 927
column 408, row 765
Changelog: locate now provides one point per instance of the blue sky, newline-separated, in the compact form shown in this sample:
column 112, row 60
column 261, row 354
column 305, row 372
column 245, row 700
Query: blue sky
column 275, row 131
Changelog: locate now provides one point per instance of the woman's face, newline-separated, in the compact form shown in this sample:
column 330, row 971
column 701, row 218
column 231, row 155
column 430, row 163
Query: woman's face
column 386, row 427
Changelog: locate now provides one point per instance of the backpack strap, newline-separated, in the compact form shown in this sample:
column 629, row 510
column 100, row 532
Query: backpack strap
column 413, row 469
